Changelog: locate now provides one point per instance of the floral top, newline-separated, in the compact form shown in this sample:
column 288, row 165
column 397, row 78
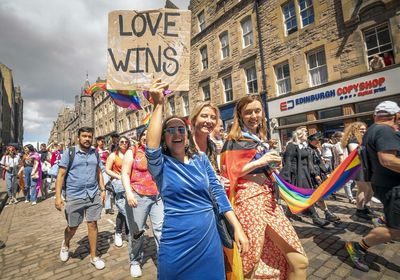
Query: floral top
column 141, row 180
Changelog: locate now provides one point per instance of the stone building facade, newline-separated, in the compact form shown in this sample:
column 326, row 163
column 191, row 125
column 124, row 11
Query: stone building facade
column 11, row 123
column 308, row 59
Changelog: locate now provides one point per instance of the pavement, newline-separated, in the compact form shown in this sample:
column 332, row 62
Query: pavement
column 33, row 235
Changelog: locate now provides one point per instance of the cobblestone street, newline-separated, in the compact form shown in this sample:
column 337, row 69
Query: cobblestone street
column 33, row 236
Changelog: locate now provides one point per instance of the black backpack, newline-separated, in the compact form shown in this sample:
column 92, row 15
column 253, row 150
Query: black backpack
column 365, row 163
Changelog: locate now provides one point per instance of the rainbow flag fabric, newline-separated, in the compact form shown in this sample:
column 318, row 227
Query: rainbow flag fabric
column 126, row 99
column 299, row 199
column 146, row 119
column 96, row 87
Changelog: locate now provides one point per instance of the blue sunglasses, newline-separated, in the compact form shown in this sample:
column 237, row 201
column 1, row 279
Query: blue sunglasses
column 173, row 129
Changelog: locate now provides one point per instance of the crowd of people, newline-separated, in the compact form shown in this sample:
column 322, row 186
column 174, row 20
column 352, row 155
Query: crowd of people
column 175, row 170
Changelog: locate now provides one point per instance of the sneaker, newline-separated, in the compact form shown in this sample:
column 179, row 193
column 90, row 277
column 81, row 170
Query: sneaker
column 363, row 213
column 64, row 253
column 378, row 222
column 15, row 201
column 356, row 256
column 331, row 217
column 34, row 203
column 320, row 222
column 118, row 239
column 98, row 263
column 371, row 212
column 136, row 271
column 374, row 199
column 26, row 201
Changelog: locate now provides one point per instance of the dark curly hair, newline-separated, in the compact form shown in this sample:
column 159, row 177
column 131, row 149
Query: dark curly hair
column 190, row 149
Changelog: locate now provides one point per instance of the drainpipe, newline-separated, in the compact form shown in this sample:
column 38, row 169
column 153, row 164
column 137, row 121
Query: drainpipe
column 263, row 74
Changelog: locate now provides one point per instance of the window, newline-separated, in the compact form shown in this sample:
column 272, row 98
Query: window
column 227, row 82
column 251, row 77
column 185, row 103
column 317, row 67
column 289, row 16
column 204, row 57
column 306, row 12
column 224, row 39
column 378, row 41
column 247, row 30
column 282, row 74
column 171, row 103
column 137, row 119
column 330, row 113
column 293, row 119
column 206, row 92
column 202, row 21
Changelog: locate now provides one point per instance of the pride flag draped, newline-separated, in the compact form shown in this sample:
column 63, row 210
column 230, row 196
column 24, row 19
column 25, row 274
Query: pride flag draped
column 146, row 119
column 299, row 199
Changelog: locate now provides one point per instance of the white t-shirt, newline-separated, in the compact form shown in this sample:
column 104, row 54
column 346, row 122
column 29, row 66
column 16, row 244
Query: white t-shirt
column 327, row 150
column 10, row 162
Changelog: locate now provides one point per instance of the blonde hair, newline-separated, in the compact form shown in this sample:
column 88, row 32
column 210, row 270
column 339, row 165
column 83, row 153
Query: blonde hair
column 236, row 130
column 197, row 110
column 301, row 130
column 352, row 131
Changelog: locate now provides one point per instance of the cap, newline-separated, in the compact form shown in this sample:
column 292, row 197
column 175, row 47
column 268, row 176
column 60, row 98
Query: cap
column 315, row 136
column 387, row 108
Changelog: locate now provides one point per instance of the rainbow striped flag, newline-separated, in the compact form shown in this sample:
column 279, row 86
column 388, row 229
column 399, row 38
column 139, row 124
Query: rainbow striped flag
column 299, row 199
column 146, row 119
column 95, row 87
column 126, row 99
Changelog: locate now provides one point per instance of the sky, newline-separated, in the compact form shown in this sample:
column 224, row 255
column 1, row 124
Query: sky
column 51, row 45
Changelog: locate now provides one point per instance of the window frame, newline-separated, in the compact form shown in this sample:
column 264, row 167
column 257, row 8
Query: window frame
column 229, row 91
column 248, row 33
column 201, row 23
column 185, row 104
column 224, row 47
column 295, row 27
column 283, row 80
column 378, row 46
column 255, row 80
column 315, row 52
column 207, row 85
column 312, row 14
column 204, row 60
column 171, row 105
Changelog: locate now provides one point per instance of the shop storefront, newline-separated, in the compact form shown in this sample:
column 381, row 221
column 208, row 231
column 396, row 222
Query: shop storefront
column 331, row 107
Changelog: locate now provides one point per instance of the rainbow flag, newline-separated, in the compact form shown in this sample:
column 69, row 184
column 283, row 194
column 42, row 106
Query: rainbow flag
column 95, row 87
column 125, row 99
column 146, row 94
column 299, row 199
column 146, row 119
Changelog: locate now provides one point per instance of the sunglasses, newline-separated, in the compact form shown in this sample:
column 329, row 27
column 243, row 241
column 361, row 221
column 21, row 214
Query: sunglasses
column 172, row 130
column 123, row 142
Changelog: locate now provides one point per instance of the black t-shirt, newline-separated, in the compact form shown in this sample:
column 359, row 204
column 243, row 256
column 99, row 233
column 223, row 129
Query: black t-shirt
column 379, row 138
column 43, row 155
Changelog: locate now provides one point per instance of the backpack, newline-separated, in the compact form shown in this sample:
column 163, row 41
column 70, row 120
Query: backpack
column 365, row 163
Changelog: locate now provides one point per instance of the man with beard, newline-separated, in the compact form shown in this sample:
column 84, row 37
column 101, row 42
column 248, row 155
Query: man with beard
column 84, row 192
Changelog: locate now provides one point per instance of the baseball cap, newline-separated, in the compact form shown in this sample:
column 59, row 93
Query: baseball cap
column 387, row 108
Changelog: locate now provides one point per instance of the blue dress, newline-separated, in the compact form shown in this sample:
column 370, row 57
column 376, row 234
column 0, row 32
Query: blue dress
column 190, row 246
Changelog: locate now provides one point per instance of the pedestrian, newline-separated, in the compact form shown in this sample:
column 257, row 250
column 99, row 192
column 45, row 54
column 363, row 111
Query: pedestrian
column 44, row 154
column 32, row 173
column 327, row 154
column 352, row 138
column 9, row 162
column 57, row 153
column 204, row 119
column 275, row 249
column 113, row 169
column 142, row 201
column 114, row 142
column 298, row 170
column 104, row 153
column 376, row 62
column 84, row 193
column 190, row 247
column 320, row 173
column 383, row 153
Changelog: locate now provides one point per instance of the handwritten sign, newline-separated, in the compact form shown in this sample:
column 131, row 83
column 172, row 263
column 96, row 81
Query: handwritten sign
column 147, row 45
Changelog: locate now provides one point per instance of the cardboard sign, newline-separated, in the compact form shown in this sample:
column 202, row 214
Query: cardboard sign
column 143, row 46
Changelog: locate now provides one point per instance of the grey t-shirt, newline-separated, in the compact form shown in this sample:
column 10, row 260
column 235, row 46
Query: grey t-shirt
column 380, row 138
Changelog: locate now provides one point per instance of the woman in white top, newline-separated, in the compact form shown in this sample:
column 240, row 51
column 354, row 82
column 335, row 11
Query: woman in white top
column 9, row 162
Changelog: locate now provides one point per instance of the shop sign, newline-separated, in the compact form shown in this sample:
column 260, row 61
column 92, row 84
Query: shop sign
column 372, row 86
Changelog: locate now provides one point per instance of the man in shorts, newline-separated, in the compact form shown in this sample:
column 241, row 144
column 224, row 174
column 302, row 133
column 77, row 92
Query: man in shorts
column 383, row 150
column 84, row 193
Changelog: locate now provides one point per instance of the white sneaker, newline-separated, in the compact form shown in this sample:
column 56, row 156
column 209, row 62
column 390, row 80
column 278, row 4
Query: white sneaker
column 64, row 253
column 118, row 239
column 26, row 201
column 374, row 199
column 136, row 271
column 98, row 263
column 34, row 203
column 15, row 201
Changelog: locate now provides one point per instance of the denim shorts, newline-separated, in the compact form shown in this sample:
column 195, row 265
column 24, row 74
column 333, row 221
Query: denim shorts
column 76, row 209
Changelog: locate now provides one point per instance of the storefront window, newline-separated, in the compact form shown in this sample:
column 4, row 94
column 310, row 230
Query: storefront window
column 369, row 106
column 330, row 113
column 293, row 119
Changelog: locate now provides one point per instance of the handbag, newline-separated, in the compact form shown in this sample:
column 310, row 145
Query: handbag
column 53, row 171
column 224, row 227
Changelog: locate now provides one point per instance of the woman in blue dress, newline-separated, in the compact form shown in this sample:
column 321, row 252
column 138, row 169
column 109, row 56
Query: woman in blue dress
column 190, row 247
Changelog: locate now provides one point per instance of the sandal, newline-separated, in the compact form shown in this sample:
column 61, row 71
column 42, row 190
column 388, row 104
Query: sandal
column 352, row 201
